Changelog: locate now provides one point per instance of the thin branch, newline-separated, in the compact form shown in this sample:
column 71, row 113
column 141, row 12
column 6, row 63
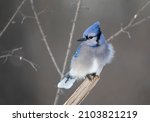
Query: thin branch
column 24, row 17
column 131, row 24
column 29, row 62
column 6, row 56
column 126, row 32
column 11, row 19
column 44, row 37
column 68, row 49
column 41, row 12
column 11, row 53
column 140, row 21
column 58, row 94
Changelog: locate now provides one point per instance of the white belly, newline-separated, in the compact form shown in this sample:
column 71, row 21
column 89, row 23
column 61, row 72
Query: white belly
column 81, row 70
column 94, row 67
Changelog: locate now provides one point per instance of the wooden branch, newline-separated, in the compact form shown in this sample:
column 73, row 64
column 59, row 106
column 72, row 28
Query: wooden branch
column 82, row 91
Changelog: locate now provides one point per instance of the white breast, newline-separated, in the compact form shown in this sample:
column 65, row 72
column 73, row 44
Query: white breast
column 94, row 67
column 82, row 70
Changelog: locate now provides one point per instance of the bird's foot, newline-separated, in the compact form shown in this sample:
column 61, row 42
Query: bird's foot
column 91, row 76
column 68, row 77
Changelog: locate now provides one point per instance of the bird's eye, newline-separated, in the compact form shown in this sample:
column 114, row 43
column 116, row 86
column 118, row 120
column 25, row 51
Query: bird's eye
column 90, row 37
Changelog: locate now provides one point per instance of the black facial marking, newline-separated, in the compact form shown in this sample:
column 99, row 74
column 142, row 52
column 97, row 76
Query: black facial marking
column 98, row 36
column 86, row 37
column 90, row 37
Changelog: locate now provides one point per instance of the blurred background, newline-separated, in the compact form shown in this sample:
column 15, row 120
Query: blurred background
column 125, row 81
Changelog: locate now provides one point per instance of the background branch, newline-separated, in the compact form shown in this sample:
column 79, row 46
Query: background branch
column 24, row 17
column 11, row 53
column 131, row 24
column 13, row 16
column 44, row 37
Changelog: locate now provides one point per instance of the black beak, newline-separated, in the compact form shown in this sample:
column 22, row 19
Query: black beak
column 81, row 39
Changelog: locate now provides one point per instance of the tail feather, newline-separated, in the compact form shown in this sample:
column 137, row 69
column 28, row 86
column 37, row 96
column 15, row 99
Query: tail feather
column 66, row 82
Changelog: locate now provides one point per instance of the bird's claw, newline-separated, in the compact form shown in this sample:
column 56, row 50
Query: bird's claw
column 91, row 76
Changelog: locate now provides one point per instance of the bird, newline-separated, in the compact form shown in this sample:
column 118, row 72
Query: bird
column 93, row 53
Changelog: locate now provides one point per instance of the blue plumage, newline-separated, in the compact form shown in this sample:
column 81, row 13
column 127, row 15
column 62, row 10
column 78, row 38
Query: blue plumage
column 90, row 57
column 94, row 28
column 76, row 54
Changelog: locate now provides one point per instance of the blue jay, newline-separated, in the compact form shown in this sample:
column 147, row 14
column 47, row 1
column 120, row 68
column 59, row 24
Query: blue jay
column 91, row 56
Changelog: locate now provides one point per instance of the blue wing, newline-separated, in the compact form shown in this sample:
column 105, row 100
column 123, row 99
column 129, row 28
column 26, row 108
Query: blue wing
column 76, row 54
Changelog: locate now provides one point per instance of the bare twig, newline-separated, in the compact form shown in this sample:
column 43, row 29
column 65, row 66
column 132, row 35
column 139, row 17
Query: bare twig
column 83, row 90
column 41, row 12
column 11, row 53
column 5, row 57
column 11, row 19
column 68, row 49
column 131, row 24
column 29, row 62
column 44, row 37
column 13, row 50
column 58, row 94
column 24, row 17
column 140, row 21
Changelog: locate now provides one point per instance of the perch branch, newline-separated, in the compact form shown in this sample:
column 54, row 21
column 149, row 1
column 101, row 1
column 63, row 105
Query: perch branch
column 87, row 85
column 82, row 91
column 11, row 19
column 44, row 37
column 58, row 93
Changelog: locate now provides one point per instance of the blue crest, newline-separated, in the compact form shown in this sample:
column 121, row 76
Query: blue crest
column 95, row 28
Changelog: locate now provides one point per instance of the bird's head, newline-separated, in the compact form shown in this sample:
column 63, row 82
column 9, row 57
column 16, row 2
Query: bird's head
column 93, row 35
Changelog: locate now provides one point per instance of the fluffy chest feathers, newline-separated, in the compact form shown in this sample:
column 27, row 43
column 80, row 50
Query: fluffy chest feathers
column 91, row 59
